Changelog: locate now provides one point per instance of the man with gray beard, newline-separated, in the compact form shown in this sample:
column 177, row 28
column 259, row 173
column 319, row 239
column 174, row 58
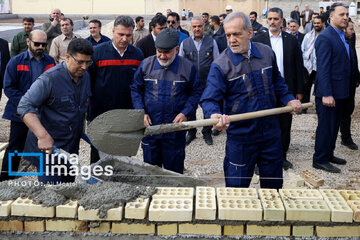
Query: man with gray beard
column 167, row 87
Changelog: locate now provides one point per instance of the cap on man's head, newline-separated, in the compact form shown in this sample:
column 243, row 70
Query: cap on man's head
column 167, row 39
column 228, row 7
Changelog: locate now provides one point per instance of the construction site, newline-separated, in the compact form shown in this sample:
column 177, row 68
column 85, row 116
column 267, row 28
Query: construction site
column 141, row 201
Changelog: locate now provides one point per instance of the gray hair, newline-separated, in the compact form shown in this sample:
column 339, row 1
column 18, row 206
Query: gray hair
column 337, row 4
column 125, row 21
column 245, row 18
column 198, row 18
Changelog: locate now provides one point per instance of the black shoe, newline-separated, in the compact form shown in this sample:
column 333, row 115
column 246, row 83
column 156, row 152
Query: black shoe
column 337, row 160
column 215, row 132
column 350, row 144
column 287, row 165
column 189, row 138
column 208, row 139
column 326, row 167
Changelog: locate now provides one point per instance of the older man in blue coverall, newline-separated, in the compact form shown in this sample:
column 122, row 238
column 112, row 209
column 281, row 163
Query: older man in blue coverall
column 167, row 87
column 247, row 78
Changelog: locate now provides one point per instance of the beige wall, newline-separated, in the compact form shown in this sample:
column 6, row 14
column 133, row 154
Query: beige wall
column 132, row 6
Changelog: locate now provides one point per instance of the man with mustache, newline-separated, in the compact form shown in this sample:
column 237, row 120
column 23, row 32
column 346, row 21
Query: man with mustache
column 167, row 87
column 54, row 109
column 246, row 77
column 21, row 72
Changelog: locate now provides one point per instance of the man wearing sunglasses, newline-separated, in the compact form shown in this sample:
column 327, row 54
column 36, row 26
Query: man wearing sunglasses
column 54, row 109
column 173, row 21
column 20, row 73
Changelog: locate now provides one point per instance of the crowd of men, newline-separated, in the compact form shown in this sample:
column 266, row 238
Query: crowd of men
column 229, row 64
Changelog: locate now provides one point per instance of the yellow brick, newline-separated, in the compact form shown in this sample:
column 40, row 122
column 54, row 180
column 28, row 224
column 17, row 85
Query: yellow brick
column 256, row 230
column 5, row 207
column 350, row 194
column 355, row 206
column 174, row 192
column 200, row 229
column 104, row 227
column 226, row 192
column 340, row 210
column 171, row 210
column 338, row 231
column 307, row 210
column 205, row 206
column 68, row 210
column 11, row 225
column 113, row 214
column 167, row 229
column 299, row 194
column 135, row 228
column 239, row 209
column 26, row 207
column 233, row 230
column 273, row 209
column 66, row 226
column 137, row 209
column 303, row 231
column 34, row 226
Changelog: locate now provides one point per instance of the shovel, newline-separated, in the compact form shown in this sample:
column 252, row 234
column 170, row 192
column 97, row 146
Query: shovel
column 119, row 132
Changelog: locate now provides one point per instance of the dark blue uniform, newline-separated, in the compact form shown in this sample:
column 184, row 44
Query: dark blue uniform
column 20, row 73
column 164, row 93
column 102, row 40
column 61, row 104
column 248, row 85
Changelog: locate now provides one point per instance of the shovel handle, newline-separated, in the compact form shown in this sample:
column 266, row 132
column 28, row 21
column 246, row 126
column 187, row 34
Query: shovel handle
column 173, row 127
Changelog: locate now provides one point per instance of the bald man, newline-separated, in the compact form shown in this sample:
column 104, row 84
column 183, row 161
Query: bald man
column 52, row 28
column 21, row 71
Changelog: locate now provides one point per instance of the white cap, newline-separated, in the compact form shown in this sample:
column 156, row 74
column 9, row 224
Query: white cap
column 228, row 7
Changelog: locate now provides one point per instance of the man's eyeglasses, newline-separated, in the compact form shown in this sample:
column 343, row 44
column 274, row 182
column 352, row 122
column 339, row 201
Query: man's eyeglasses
column 172, row 22
column 86, row 63
column 37, row 44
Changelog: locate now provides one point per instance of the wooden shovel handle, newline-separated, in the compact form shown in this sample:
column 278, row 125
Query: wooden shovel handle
column 173, row 127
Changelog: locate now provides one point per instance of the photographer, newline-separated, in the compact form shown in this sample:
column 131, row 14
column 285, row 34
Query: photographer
column 52, row 28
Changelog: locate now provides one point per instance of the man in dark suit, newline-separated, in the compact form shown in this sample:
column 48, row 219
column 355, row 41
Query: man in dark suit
column 295, row 15
column 147, row 44
column 290, row 63
column 332, row 86
column 294, row 29
column 4, row 59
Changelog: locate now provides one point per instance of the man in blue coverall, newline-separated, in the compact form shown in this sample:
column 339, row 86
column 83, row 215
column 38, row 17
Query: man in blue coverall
column 245, row 76
column 167, row 87
column 21, row 72
column 54, row 109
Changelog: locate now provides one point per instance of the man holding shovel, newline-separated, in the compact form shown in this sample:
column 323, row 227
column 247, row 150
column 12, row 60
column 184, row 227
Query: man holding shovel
column 167, row 87
column 246, row 77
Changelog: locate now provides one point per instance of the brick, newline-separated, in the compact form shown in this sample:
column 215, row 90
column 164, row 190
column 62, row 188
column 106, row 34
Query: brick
column 104, row 227
column 307, row 210
column 66, row 226
column 255, row 230
column 134, row 228
column 273, row 209
column 200, row 229
column 312, row 178
column 5, row 207
column 298, row 194
column 137, row 209
column 113, row 214
column 338, row 231
column 68, row 210
column 350, row 194
column 26, row 207
column 11, row 225
column 233, row 230
column 239, row 209
column 264, row 192
column 355, row 206
column 226, row 192
column 34, row 226
column 174, row 192
column 205, row 204
column 171, row 210
column 302, row 231
column 340, row 210
column 167, row 229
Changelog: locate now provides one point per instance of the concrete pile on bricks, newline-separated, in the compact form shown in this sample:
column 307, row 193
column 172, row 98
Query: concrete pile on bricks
column 203, row 211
